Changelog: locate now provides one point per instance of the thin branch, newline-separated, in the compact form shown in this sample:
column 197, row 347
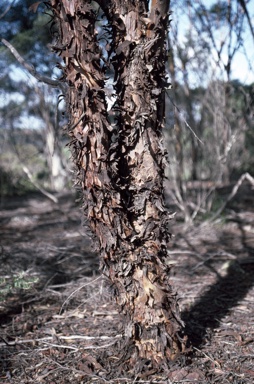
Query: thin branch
column 186, row 123
column 245, row 10
column 30, row 68
column 7, row 10
column 76, row 290
column 29, row 175
column 60, row 346
column 36, row 185
column 214, row 361
column 51, row 338
column 245, row 176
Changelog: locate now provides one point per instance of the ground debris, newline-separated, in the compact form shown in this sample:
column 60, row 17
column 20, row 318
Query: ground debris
column 58, row 324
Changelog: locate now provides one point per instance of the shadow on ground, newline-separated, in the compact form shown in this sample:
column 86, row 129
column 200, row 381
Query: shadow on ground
column 58, row 329
column 218, row 300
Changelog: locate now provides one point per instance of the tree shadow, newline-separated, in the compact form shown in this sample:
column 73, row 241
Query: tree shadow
column 219, row 299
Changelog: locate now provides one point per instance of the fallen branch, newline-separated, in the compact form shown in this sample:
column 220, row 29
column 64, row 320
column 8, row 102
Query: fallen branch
column 52, row 338
column 245, row 176
column 208, row 357
column 76, row 290
column 36, row 185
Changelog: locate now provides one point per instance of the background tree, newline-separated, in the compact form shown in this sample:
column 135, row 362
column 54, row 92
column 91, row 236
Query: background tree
column 198, row 30
column 208, row 52
column 29, row 103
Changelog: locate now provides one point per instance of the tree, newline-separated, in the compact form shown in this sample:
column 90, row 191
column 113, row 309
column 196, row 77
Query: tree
column 121, row 164
column 209, row 45
column 26, row 37
column 26, row 31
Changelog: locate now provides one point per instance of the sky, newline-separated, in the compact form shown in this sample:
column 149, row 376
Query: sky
column 242, row 68
column 243, row 61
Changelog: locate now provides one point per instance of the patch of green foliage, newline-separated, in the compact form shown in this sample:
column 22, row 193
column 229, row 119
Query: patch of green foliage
column 10, row 285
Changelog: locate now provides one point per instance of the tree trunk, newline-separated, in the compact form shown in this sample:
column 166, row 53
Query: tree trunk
column 121, row 166
column 57, row 173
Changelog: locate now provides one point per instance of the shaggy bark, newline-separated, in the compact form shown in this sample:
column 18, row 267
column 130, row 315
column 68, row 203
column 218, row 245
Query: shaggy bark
column 121, row 166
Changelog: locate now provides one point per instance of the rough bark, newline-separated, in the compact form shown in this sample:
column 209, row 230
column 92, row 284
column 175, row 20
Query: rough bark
column 121, row 166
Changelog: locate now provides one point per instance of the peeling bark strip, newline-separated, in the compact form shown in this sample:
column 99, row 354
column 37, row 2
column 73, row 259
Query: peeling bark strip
column 121, row 167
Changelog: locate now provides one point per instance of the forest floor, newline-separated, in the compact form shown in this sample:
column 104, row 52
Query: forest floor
column 58, row 324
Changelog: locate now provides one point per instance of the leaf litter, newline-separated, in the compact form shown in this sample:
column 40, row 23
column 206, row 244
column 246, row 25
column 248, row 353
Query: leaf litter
column 59, row 325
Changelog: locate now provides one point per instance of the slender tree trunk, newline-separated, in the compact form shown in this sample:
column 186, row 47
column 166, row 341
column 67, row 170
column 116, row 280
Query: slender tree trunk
column 121, row 166
column 52, row 148
column 178, row 168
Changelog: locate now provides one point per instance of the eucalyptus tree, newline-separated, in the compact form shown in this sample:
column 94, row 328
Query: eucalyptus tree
column 27, row 39
column 121, row 164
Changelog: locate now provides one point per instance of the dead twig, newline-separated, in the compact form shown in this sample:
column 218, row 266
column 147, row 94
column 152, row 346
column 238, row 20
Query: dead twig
column 76, row 290
column 208, row 357
column 48, row 339
column 245, row 176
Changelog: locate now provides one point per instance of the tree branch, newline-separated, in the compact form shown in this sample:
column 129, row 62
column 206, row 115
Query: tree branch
column 31, row 69
column 245, row 10
column 36, row 185
column 245, row 176
column 7, row 9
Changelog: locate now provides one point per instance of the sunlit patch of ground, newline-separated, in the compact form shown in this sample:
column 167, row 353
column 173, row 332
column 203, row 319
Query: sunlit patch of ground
column 58, row 324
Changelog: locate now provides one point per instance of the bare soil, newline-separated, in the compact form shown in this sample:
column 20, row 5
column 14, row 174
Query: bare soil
column 58, row 324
